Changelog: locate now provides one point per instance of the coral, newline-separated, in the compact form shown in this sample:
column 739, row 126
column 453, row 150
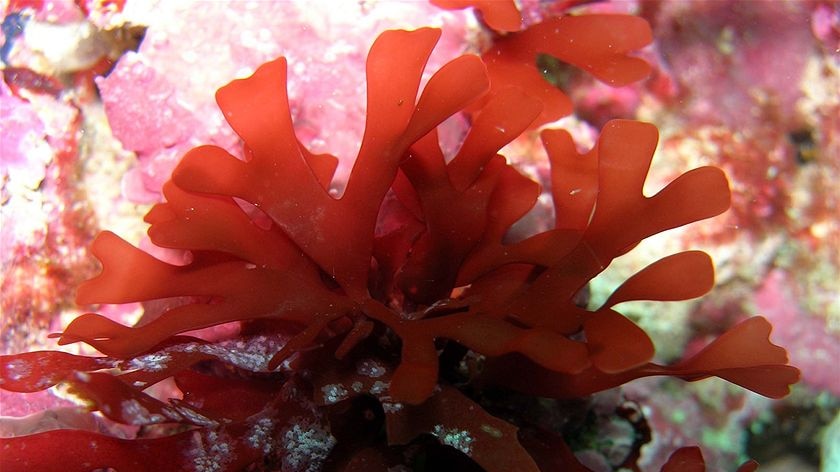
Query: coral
column 387, row 306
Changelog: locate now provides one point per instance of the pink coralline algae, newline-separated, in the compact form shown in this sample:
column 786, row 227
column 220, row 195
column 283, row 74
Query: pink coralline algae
column 810, row 343
column 176, row 69
column 24, row 156
column 43, row 235
column 701, row 43
column 825, row 24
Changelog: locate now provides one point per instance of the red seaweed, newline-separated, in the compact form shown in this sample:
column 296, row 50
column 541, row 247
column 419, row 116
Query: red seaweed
column 370, row 302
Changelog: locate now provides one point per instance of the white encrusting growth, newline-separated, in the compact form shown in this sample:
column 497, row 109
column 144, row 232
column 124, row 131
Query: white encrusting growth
column 193, row 416
column 211, row 452
column 252, row 354
column 370, row 368
column 154, row 362
column 18, row 369
column 460, row 439
column 306, row 444
column 136, row 414
column 333, row 393
column 260, row 435
column 389, row 407
column 379, row 387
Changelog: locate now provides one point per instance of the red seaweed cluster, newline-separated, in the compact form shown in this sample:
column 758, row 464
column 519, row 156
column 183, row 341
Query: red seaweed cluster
column 366, row 323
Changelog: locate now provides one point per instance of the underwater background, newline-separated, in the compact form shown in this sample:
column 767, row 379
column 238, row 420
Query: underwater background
column 100, row 99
